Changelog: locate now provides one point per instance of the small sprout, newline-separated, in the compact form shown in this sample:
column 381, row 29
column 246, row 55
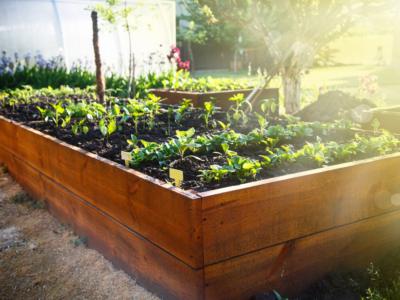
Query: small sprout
column 182, row 110
column 237, row 112
column 209, row 110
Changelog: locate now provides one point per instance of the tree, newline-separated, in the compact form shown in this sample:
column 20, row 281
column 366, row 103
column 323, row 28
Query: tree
column 117, row 12
column 194, row 25
column 100, row 80
column 293, row 31
column 198, row 25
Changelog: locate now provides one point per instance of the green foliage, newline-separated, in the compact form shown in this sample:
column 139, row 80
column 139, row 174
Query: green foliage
column 116, row 85
column 290, row 144
column 382, row 286
column 184, row 142
column 182, row 81
column 237, row 113
column 209, row 110
column 182, row 110
column 237, row 167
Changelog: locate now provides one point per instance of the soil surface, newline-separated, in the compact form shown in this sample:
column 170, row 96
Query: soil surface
column 42, row 259
column 163, row 130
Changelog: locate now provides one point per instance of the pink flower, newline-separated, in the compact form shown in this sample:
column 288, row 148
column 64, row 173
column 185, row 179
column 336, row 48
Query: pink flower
column 175, row 57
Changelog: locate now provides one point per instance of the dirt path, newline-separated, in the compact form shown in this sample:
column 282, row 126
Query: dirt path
column 42, row 259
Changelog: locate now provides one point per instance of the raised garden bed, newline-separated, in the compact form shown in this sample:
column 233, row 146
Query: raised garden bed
column 389, row 118
column 221, row 98
column 279, row 233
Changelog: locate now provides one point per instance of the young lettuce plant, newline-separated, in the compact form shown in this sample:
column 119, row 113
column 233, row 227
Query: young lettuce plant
column 136, row 110
column 209, row 110
column 184, row 142
column 237, row 112
column 108, row 126
column 237, row 167
column 152, row 109
column 268, row 107
column 182, row 110
column 53, row 114
column 79, row 127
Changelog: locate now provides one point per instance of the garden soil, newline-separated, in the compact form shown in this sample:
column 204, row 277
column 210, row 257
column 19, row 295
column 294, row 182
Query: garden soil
column 42, row 259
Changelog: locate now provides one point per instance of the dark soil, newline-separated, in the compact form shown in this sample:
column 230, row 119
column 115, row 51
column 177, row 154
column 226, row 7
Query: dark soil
column 111, row 148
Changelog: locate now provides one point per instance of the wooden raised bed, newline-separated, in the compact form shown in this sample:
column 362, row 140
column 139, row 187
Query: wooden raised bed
column 389, row 118
column 232, row 243
column 220, row 98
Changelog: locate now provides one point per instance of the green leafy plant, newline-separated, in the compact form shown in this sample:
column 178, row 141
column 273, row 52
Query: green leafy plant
column 237, row 167
column 209, row 110
column 151, row 109
column 182, row 110
column 184, row 142
column 107, row 126
column 237, row 113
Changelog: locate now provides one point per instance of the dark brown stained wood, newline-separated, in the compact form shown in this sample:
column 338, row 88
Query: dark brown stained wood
column 390, row 120
column 165, row 215
column 247, row 218
column 220, row 98
column 154, row 268
column 281, row 233
column 291, row 267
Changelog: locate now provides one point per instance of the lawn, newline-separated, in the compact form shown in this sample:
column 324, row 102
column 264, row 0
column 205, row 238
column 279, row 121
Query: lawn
column 345, row 78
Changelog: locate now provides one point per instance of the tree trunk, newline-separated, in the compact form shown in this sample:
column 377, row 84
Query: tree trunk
column 292, row 92
column 191, row 57
column 100, row 80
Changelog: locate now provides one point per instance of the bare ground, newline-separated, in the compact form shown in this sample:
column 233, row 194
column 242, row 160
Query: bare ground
column 42, row 259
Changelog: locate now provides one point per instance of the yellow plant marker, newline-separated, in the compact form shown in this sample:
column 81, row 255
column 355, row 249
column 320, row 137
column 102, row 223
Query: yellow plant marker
column 177, row 176
column 126, row 156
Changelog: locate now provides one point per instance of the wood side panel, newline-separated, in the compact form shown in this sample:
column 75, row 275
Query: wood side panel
column 167, row 216
column 291, row 267
column 242, row 219
column 153, row 267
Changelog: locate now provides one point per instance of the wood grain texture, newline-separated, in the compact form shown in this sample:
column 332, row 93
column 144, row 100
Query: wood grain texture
column 293, row 266
column 231, row 243
column 253, row 216
column 153, row 267
column 389, row 120
column 165, row 215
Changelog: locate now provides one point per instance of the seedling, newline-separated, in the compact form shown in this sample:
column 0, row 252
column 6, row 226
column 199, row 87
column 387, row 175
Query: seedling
column 238, row 167
column 108, row 126
column 237, row 112
column 184, row 142
column 182, row 110
column 209, row 110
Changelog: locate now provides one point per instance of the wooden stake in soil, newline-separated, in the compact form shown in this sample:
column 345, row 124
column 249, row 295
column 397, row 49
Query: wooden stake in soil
column 100, row 81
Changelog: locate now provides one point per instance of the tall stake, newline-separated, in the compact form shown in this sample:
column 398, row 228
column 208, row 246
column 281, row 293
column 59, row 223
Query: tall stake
column 100, row 81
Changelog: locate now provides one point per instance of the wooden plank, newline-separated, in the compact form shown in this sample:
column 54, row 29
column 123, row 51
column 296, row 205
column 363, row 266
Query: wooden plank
column 153, row 267
column 169, row 217
column 389, row 120
column 291, row 267
column 253, row 216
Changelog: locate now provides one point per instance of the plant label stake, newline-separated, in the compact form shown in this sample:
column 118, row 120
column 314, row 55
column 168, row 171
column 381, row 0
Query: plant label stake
column 126, row 156
column 177, row 176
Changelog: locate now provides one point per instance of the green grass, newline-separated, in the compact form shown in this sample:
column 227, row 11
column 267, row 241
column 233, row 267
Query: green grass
column 357, row 53
column 345, row 78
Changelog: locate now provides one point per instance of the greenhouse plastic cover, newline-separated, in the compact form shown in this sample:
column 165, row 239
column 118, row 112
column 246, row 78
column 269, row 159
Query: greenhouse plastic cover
column 64, row 28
